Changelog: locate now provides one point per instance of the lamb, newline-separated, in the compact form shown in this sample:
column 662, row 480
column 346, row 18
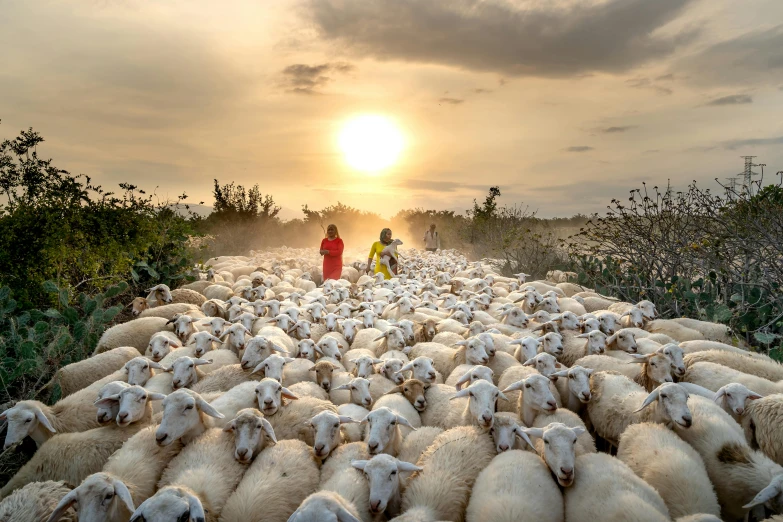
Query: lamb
column 325, row 505
column 617, row 402
column 671, row 466
column 733, row 398
column 37, row 502
column 607, row 489
column 280, row 478
column 290, row 420
column 76, row 376
column 574, row 348
column 135, row 333
column 423, row 369
column 744, row 363
column 90, row 448
column 655, row 368
column 389, row 252
column 451, row 465
column 743, row 478
column 502, row 491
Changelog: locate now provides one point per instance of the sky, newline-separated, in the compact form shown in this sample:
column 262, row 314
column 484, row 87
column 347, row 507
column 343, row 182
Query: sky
column 563, row 104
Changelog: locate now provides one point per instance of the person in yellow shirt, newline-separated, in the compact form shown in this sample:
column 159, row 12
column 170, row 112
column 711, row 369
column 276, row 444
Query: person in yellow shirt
column 375, row 252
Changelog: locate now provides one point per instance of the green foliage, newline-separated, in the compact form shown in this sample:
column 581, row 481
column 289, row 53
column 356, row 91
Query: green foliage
column 36, row 343
column 57, row 226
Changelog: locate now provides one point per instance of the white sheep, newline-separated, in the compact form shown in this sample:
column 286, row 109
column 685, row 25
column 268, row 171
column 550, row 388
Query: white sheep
column 135, row 333
column 280, row 478
column 78, row 375
column 469, row 373
column 502, row 491
column 383, row 432
column 761, row 423
column 573, row 385
column 383, row 472
column 574, row 348
column 666, row 462
column 451, row 465
column 37, row 502
column 325, row 506
column 537, row 393
column 649, row 371
column 290, row 420
column 745, row 363
column 713, row 376
column 339, row 476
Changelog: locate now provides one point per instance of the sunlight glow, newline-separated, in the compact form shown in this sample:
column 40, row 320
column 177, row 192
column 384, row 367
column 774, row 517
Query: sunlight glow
column 370, row 143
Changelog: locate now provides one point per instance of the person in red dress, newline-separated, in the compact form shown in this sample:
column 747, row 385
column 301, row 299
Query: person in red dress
column 332, row 250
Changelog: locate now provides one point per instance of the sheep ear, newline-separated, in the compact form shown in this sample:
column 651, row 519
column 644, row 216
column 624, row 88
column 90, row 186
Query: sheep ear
column 155, row 365
column 407, row 466
column 344, row 419
column 207, row 408
column 196, row 509
column 106, row 401
column 639, row 358
column 154, row 396
column 501, row 396
column 764, row 495
column 649, row 400
column 258, row 368
column 276, row 348
column 515, row 386
column 396, row 389
column 753, row 395
column 269, row 430
column 44, row 421
column 408, row 367
column 719, row 394
column 377, row 361
column 578, row 430
column 65, row 504
column 285, row 392
column 530, row 362
column 168, row 369
column 612, row 338
column 359, row 464
column 311, row 369
column 201, row 362
column 343, row 515
column 122, row 491
column 583, row 336
column 462, row 380
column 318, row 349
column 462, row 393
column 342, row 387
column 461, row 343
column 520, row 432
column 402, row 420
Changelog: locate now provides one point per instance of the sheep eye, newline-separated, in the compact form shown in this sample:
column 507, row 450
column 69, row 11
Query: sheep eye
column 28, row 420
column 527, row 386
column 728, row 395
column 189, row 407
column 664, row 396
column 571, row 377
column 109, row 496
column 337, row 425
column 405, row 390
column 546, row 441
column 393, row 473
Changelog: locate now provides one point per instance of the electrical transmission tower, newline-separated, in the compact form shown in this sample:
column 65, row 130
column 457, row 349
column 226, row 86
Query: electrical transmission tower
column 748, row 174
column 732, row 187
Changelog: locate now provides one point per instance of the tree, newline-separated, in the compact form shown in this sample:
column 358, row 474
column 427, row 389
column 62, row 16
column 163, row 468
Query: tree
column 235, row 202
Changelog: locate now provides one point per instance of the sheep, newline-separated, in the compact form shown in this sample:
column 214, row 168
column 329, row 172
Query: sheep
column 100, row 497
column 761, row 423
column 445, row 359
column 339, row 476
column 710, row 331
column 171, row 502
column 468, row 373
column 78, row 375
column 413, row 392
column 671, row 466
column 649, row 372
column 328, row 435
column 38, row 421
column 167, row 311
column 90, row 448
column 450, row 467
column 383, row 433
column 733, row 399
column 674, row 330
column 594, row 304
column 219, row 292
column 37, row 502
column 702, row 345
column 326, row 506
column 107, row 410
column 225, row 378
column 275, row 484
column 423, row 369
column 356, row 390
column 743, row 478
column 252, row 433
column 607, row 489
column 135, row 333
column 502, row 491
column 536, row 395
column 383, row 472
column 290, row 420
column 713, row 376
column 184, row 417
column 617, row 402
column 214, row 308
column 574, row 348
column 425, row 331
column 324, row 370
column 741, row 362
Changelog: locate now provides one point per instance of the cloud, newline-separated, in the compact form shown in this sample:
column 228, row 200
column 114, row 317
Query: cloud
column 306, row 79
column 614, row 130
column 734, row 99
column 490, row 35
column 579, row 148
column 646, row 83
column 483, row 91
column 753, row 142
column 451, row 101
column 750, row 59
column 665, row 77
column 438, row 186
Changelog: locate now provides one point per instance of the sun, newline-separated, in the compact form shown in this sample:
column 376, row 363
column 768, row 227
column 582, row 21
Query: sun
column 371, row 143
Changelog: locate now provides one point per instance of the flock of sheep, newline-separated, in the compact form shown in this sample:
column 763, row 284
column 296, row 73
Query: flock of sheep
column 449, row 393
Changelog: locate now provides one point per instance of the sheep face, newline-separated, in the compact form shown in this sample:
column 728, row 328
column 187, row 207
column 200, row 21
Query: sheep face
column 559, row 444
column 568, row 321
column 107, row 411
column 212, row 309
column 545, row 363
column 608, row 323
column 625, row 341
column 160, row 346
column 300, row 330
column 272, row 367
column 647, row 308
column 269, row 394
column 23, row 419
column 184, row 374
column 423, row 369
column 477, row 373
column 596, row 342
column 323, row 374
column 133, row 404
column 475, row 351
column 635, row 317
column 350, row 327
column 140, row 370
column 535, row 393
column 672, row 404
column 382, row 429
column 323, row 506
column 734, row 397
column 552, row 343
column 770, row 497
column 407, row 328
column 257, row 349
column 182, row 411
column 489, row 343
column 383, row 474
column 360, row 391
column 330, row 321
column 503, row 433
column 483, row 402
column 368, row 317
column 329, row 347
column 251, row 434
column 391, row 370
column 658, row 367
column 675, row 354
column 365, row 365
column 292, row 312
column 549, row 304
column 516, row 317
column 170, row 503
column 326, row 428
column 305, row 349
column 202, row 343
column 413, row 390
column 235, row 334
column 590, row 324
column 344, row 310
column 138, row 305
column 183, row 327
column 97, row 498
column 528, row 348
column 578, row 382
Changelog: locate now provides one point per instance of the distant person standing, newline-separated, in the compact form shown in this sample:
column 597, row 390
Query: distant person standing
column 332, row 250
column 431, row 239
column 375, row 252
